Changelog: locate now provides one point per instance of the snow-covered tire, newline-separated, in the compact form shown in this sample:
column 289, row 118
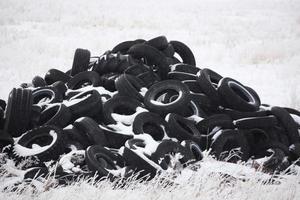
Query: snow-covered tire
column 54, row 75
column 227, row 140
column 163, row 87
column 50, row 141
column 208, row 82
column 236, row 96
column 152, row 124
column 100, row 160
column 119, row 104
column 288, row 123
column 57, row 115
column 128, row 85
column 83, row 79
column 182, row 128
column 184, row 52
column 18, row 111
column 91, row 130
column 81, row 61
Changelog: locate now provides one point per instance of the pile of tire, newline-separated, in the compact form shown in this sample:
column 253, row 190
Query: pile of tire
column 142, row 107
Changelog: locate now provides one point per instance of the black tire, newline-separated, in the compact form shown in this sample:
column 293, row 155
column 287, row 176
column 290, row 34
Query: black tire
column 60, row 87
column 256, row 139
column 194, row 149
column 86, row 104
column 235, row 115
column 54, row 75
column 236, row 96
column 58, row 115
column 136, row 69
column 183, row 129
column 192, row 109
column 100, row 160
column 49, row 137
column 2, row 104
column 193, row 86
column 128, row 85
column 5, row 140
column 123, row 47
column 91, row 129
column 153, row 56
column 38, row 81
column 275, row 156
column 109, row 81
column 148, row 78
column 227, row 140
column 288, row 123
column 208, row 82
column 203, row 101
column 84, row 79
column 184, row 52
column 119, row 104
column 163, row 87
column 18, row 111
column 168, row 148
column 46, row 95
column 152, row 124
column 81, row 61
column 181, row 76
column 115, row 139
column 160, row 42
column 77, row 137
column 294, row 150
column 206, row 125
column 256, row 122
column 182, row 67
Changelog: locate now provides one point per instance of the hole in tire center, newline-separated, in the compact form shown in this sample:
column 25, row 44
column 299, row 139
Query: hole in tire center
column 43, row 97
column 240, row 92
column 41, row 140
column 48, row 115
column 165, row 96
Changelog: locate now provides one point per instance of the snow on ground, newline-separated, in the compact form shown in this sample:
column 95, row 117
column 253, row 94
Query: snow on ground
column 256, row 42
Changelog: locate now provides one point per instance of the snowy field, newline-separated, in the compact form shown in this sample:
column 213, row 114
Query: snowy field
column 256, row 42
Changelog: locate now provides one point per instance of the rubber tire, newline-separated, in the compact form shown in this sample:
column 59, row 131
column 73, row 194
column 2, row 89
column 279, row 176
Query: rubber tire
column 91, row 129
column 231, row 90
column 194, row 149
column 79, row 79
column 18, row 111
column 117, row 102
column 123, row 47
column 5, row 139
column 51, row 153
column 173, row 107
column 256, row 122
column 206, row 79
column 49, row 93
column 81, row 61
column 223, row 137
column 181, row 76
column 182, row 67
column 148, row 78
column 152, row 124
column 169, row 51
column 128, row 85
column 235, row 115
column 54, row 75
column 184, row 52
column 206, row 125
column 160, row 42
column 38, row 81
column 58, row 115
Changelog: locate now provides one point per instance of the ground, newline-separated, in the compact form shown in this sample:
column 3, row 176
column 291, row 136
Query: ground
column 256, row 42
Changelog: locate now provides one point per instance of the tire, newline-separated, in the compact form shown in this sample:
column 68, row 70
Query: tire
column 18, row 111
column 294, row 150
column 119, row 104
column 81, row 61
column 101, row 160
column 115, row 139
column 206, row 125
column 256, row 122
column 193, row 108
column 84, row 79
column 194, row 149
column 77, row 137
column 256, row 139
column 58, row 115
column 36, row 172
column 109, row 81
column 5, row 140
column 203, row 101
column 160, row 42
column 235, row 115
column 38, row 81
column 46, row 95
column 54, row 75
column 148, row 78
column 50, row 140
column 153, row 56
column 236, row 96
column 123, row 47
column 152, row 124
column 181, row 76
column 184, row 52
column 163, row 87
column 91, row 129
column 169, row 51
column 182, row 67
column 183, row 129
column 2, row 104
column 193, row 86
column 136, row 69
column 275, row 156
column 85, row 104
column 227, row 140
column 288, row 123
column 128, row 85
column 208, row 82
column 60, row 87
column 168, row 148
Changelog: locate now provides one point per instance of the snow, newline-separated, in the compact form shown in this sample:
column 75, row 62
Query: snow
column 255, row 42
column 128, row 119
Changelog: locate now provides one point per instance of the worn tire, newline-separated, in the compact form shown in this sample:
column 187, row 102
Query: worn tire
column 81, row 61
